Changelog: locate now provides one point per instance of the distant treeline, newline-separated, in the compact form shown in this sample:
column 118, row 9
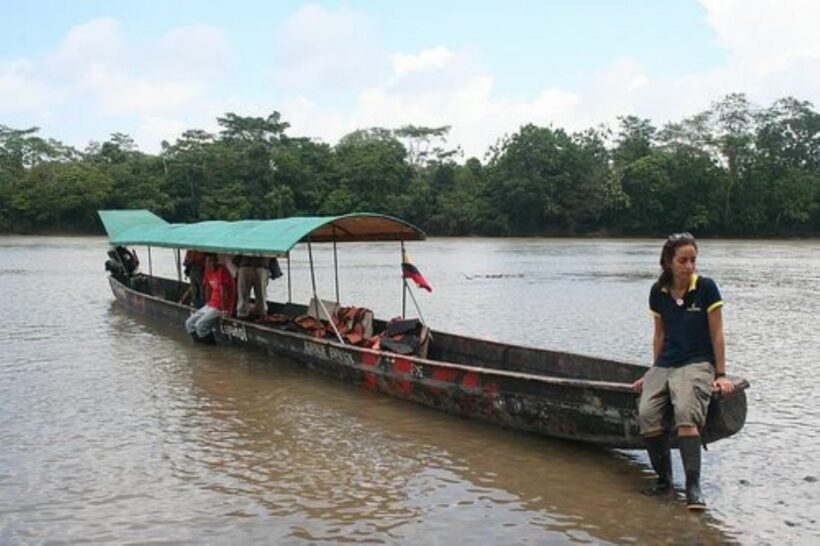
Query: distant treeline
column 733, row 170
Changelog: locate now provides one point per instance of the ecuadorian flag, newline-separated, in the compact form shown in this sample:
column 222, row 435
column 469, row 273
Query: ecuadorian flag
column 410, row 271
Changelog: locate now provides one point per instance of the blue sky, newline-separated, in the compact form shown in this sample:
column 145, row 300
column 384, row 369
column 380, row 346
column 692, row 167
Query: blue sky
column 84, row 69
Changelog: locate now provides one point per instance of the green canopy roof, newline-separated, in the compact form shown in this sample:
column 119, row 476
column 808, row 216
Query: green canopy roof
column 259, row 237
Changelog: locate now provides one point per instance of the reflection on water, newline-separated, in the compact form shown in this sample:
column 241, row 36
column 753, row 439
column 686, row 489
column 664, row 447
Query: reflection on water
column 115, row 429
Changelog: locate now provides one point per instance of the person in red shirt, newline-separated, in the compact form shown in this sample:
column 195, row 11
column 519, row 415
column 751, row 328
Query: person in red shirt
column 220, row 295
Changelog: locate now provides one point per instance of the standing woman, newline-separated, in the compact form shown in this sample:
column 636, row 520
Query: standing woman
column 689, row 363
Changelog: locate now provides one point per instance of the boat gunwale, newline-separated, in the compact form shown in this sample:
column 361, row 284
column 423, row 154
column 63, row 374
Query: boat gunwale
column 740, row 383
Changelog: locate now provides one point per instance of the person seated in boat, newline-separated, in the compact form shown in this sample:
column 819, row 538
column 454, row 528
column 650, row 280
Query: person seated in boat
column 689, row 363
column 220, row 292
column 194, row 264
column 252, row 273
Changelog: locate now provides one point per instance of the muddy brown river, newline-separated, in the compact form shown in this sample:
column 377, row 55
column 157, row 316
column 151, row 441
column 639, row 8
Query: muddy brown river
column 114, row 429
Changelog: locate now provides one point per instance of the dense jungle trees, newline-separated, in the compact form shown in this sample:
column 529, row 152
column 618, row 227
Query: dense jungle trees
column 733, row 170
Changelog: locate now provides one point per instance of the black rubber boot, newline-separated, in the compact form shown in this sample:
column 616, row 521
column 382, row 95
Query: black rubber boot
column 195, row 337
column 208, row 339
column 661, row 458
column 690, row 456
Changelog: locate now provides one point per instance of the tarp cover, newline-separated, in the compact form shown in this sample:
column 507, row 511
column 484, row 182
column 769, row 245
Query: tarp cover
column 253, row 237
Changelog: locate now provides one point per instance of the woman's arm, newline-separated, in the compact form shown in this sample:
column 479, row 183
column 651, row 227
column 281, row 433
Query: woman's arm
column 657, row 339
column 718, row 345
column 716, row 331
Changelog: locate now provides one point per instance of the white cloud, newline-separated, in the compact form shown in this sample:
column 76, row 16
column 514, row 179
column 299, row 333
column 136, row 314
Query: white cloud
column 127, row 80
column 194, row 51
column 773, row 51
column 768, row 33
column 314, row 120
column 94, row 43
column 435, row 87
column 115, row 81
column 20, row 90
column 774, row 48
column 320, row 47
column 154, row 129
column 428, row 59
column 332, row 77
column 119, row 94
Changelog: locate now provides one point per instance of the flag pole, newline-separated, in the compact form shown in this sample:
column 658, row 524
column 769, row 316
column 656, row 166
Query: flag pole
column 404, row 286
column 416, row 303
column 336, row 264
column 178, row 257
column 290, row 294
column 312, row 273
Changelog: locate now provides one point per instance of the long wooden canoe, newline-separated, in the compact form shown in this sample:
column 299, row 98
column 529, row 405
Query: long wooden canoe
column 553, row 393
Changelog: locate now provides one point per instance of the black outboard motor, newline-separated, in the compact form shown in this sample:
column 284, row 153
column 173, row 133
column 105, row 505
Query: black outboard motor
column 129, row 260
column 122, row 263
column 114, row 267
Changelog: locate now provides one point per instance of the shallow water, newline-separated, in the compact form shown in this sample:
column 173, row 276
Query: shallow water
column 116, row 429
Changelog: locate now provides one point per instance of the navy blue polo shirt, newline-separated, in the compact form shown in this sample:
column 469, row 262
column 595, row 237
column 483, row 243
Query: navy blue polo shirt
column 686, row 336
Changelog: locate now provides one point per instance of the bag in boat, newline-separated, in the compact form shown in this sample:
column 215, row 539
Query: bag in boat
column 406, row 337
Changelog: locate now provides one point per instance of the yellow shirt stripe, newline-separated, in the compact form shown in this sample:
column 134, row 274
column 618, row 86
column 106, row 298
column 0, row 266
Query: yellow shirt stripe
column 714, row 306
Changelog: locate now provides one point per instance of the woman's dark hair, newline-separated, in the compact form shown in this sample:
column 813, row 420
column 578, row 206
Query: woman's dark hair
column 673, row 243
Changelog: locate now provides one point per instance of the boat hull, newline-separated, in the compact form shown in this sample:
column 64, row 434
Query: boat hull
column 596, row 411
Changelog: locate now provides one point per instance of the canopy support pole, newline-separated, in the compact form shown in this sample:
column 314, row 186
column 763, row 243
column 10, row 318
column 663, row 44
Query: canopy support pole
column 290, row 294
column 404, row 286
column 336, row 265
column 316, row 297
column 312, row 273
column 178, row 257
column 150, row 266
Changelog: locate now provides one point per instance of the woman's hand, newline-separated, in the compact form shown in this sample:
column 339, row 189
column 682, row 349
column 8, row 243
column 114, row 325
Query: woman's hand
column 637, row 386
column 723, row 385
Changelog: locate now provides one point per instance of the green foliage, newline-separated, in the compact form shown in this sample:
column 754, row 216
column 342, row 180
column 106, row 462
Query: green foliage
column 308, row 170
column 339, row 201
column 425, row 145
column 635, row 140
column 225, row 201
column 251, row 130
column 795, row 197
column 461, row 208
column 279, row 202
column 61, row 196
column 733, row 169
column 693, row 201
column 185, row 165
column 372, row 166
column 541, row 179
column 646, row 184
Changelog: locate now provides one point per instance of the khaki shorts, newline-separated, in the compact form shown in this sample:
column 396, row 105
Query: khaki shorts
column 687, row 388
